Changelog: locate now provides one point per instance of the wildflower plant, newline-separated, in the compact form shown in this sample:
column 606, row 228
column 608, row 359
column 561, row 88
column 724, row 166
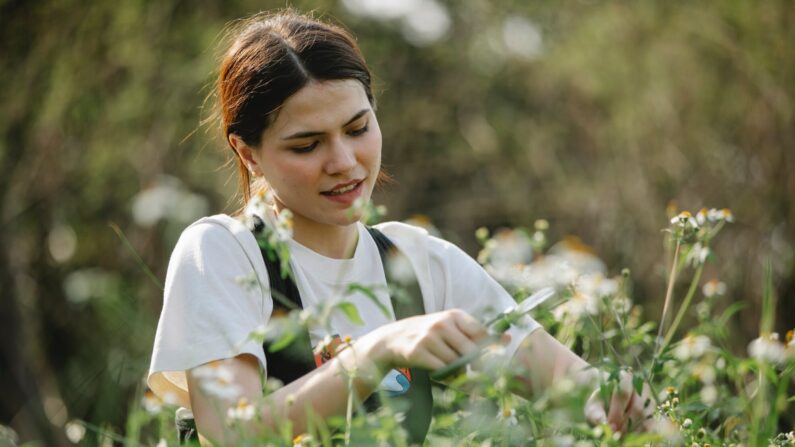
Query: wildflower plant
column 703, row 393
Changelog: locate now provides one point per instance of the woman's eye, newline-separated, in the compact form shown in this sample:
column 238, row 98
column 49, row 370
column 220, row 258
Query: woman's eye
column 359, row 131
column 304, row 149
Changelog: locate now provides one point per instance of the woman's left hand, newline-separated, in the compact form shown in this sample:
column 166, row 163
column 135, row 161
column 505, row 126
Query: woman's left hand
column 627, row 410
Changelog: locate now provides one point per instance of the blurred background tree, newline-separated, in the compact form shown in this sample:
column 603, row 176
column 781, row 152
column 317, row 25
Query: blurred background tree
column 599, row 116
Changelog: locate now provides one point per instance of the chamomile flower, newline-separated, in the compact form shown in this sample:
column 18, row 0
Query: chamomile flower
column 399, row 269
column 260, row 211
column 684, row 220
column 302, row 440
column 579, row 305
column 768, row 348
column 725, row 214
column 508, row 415
column 705, row 373
column 714, row 287
column 702, row 216
column 242, row 411
column 151, row 403
column 698, row 254
column 75, row 431
column 507, row 248
column 709, row 394
column 216, row 379
column 596, row 284
column 692, row 347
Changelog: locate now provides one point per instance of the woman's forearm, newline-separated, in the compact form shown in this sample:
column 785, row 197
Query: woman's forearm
column 325, row 391
column 319, row 394
column 541, row 360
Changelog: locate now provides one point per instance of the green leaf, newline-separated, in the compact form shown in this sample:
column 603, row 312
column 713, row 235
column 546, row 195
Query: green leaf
column 283, row 341
column 368, row 292
column 350, row 310
column 637, row 382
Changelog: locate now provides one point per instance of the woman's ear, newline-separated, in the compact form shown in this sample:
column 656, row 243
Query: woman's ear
column 246, row 153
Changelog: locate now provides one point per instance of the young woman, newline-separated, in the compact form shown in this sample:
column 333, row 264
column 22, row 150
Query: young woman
column 298, row 112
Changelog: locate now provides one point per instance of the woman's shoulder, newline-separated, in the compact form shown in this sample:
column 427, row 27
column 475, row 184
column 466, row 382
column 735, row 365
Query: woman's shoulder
column 411, row 237
column 215, row 237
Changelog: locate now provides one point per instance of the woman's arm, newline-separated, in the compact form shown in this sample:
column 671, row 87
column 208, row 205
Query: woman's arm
column 427, row 341
column 542, row 360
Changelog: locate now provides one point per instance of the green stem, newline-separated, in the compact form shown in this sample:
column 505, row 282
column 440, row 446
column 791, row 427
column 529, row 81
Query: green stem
column 685, row 304
column 349, row 410
column 668, row 297
column 138, row 259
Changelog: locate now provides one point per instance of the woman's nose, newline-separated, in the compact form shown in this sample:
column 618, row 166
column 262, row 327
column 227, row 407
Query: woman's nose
column 341, row 159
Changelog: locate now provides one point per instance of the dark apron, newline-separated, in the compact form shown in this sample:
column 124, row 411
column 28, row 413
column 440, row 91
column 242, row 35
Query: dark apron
column 298, row 359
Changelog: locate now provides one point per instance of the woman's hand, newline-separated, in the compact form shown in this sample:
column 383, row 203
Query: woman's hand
column 426, row 341
column 627, row 410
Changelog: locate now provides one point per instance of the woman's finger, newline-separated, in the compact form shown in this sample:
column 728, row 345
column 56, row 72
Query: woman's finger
column 620, row 402
column 467, row 324
column 439, row 347
column 460, row 341
column 595, row 410
column 428, row 360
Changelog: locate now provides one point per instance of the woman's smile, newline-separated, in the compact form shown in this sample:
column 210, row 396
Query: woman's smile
column 346, row 192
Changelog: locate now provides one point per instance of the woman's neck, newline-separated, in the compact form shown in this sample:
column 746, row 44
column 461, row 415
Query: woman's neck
column 333, row 241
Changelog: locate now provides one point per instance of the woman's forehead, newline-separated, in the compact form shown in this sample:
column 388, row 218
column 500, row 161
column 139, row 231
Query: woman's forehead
column 320, row 106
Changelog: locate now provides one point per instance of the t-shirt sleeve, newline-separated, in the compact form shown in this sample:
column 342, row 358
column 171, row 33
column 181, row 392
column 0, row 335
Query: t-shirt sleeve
column 213, row 301
column 466, row 285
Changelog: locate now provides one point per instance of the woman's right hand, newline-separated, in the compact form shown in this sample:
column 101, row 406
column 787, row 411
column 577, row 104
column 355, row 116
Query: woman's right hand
column 427, row 341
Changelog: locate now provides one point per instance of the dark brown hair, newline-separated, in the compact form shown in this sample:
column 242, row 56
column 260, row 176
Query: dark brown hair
column 271, row 57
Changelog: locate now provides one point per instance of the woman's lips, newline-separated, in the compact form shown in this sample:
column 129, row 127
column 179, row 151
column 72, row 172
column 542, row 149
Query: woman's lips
column 345, row 194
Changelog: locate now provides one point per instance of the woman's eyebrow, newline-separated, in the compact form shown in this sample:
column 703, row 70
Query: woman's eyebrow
column 314, row 133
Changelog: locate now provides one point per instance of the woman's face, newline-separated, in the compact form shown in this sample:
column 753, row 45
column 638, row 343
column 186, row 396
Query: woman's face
column 322, row 152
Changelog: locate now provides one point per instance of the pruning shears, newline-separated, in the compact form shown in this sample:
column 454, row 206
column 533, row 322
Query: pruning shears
column 497, row 326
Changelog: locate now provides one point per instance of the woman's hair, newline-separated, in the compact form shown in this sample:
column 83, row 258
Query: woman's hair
column 271, row 57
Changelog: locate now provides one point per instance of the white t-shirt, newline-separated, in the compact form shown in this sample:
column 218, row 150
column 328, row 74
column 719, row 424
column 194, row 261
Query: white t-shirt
column 216, row 293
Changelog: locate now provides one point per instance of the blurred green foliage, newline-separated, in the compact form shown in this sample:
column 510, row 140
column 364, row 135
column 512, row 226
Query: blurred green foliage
column 596, row 115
